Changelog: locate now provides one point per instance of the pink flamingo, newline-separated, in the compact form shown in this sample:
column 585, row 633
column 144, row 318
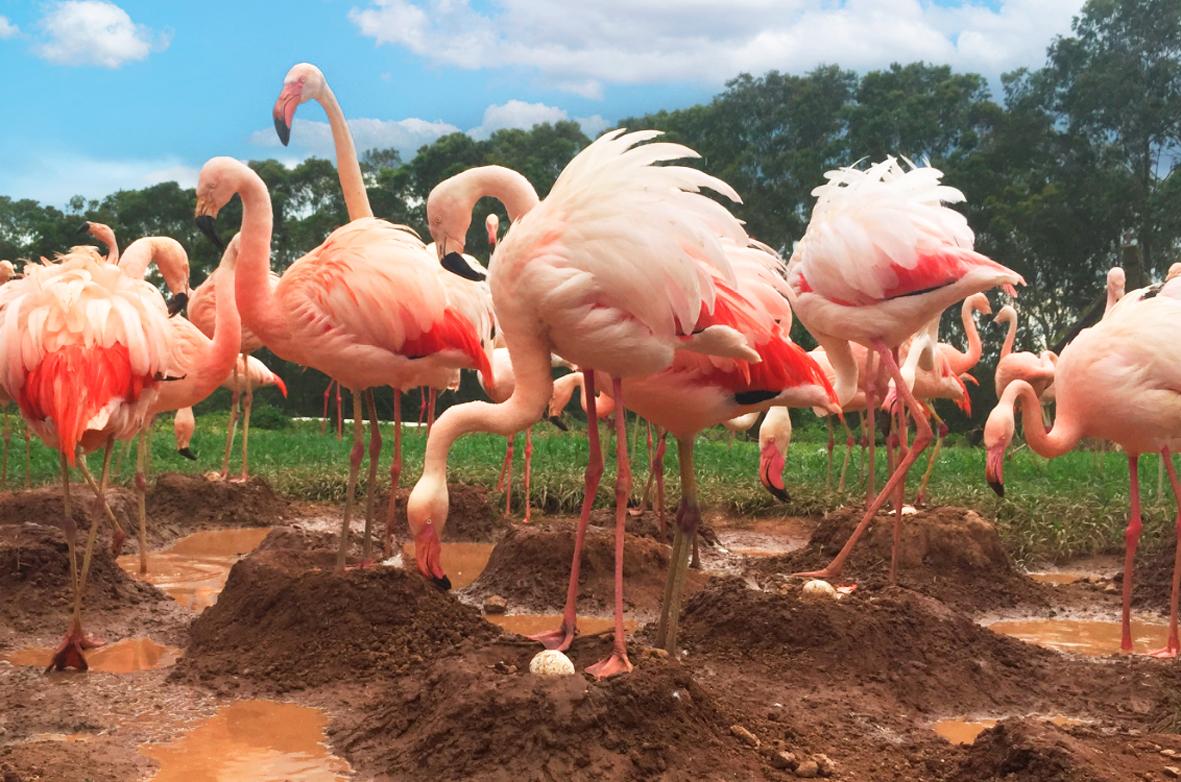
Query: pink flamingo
column 613, row 273
column 1129, row 362
column 1037, row 370
column 104, row 234
column 367, row 307
column 261, row 376
column 184, row 424
column 774, row 442
column 882, row 256
column 85, row 346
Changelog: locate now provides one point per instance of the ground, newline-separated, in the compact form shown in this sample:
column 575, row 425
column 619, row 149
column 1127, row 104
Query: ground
column 414, row 683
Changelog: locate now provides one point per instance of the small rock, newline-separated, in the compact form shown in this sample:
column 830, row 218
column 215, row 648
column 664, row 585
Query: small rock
column 654, row 651
column 495, row 604
column 1169, row 753
column 748, row 738
column 1111, row 589
column 784, row 760
column 825, row 764
column 808, row 769
column 1172, row 772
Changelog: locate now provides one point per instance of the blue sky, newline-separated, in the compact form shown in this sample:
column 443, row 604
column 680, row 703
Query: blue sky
column 102, row 95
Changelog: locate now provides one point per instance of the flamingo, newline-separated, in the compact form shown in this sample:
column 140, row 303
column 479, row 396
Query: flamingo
column 1037, row 370
column 881, row 257
column 105, row 234
column 774, row 441
column 184, row 423
column 82, row 349
column 1116, row 281
column 261, row 376
column 613, row 273
column 367, row 307
column 1119, row 380
column 447, row 328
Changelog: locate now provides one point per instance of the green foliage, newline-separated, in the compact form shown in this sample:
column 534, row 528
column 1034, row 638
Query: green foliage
column 266, row 416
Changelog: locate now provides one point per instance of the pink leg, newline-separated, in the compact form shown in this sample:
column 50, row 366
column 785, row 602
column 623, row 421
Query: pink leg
column 339, row 415
column 327, row 394
column 564, row 635
column 1173, row 647
column 1131, row 541
column 618, row 663
column 922, row 439
column 432, row 400
column 658, row 471
column 395, row 476
column 899, row 498
column 871, row 437
column 528, row 469
column 506, row 467
column 422, row 397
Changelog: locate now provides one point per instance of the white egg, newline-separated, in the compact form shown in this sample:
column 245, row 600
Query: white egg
column 818, row 589
column 551, row 662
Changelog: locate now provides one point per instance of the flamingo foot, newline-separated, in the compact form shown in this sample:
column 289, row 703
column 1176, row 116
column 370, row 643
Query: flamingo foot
column 614, row 665
column 70, row 653
column 117, row 538
column 920, row 501
column 559, row 639
column 1168, row 653
column 827, row 573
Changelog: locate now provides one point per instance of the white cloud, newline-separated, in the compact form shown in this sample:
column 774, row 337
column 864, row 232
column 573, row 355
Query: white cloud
column 314, row 138
column 55, row 177
column 515, row 114
column 7, row 28
column 95, row 32
column 578, row 47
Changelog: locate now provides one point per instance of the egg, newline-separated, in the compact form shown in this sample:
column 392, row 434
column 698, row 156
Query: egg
column 551, row 662
column 818, row 589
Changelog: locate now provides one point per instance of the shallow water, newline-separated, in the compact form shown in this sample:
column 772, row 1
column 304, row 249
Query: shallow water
column 262, row 741
column 462, row 562
column 126, row 656
column 1083, row 636
column 193, row 570
column 966, row 731
column 534, row 624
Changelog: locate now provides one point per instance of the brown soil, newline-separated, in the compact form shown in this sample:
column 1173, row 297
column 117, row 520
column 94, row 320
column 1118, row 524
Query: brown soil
column 178, row 505
column 1152, row 581
column 948, row 553
column 283, row 624
column 530, row 566
column 68, row 761
column 474, row 515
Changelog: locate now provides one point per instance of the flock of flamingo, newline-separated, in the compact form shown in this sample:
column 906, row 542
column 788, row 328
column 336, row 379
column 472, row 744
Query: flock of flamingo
column 628, row 272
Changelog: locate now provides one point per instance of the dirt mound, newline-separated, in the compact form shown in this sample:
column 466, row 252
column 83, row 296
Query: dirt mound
column 35, row 578
column 531, row 565
column 1023, row 750
column 949, row 553
column 44, row 506
column 284, row 624
column 69, row 761
column 473, row 517
column 180, row 504
column 465, row 719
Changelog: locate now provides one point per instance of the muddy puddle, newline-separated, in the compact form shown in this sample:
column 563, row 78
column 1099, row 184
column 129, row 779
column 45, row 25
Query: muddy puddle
column 258, row 740
column 1058, row 577
column 534, row 624
column 194, row 569
column 1083, row 636
column 127, row 656
column 966, row 731
column 463, row 562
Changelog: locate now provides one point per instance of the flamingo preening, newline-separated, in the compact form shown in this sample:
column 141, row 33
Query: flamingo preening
column 1035, row 369
column 614, row 271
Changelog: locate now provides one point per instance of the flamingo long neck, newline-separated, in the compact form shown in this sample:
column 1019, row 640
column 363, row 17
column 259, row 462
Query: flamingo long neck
column 1010, row 336
column 1065, row 433
column 252, row 286
column 505, row 185
column 226, row 345
column 166, row 253
column 106, row 235
column 962, row 361
column 347, row 166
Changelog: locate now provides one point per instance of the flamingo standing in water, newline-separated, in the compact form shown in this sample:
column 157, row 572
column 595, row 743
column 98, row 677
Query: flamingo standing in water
column 614, row 272
column 882, row 256
column 1119, row 380
column 82, row 349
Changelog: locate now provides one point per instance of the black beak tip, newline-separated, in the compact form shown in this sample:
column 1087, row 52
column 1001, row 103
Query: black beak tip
column 779, row 494
column 997, row 487
column 177, row 304
column 282, row 129
column 557, row 421
column 442, row 583
column 454, row 263
column 84, row 228
column 207, row 225
column 187, row 453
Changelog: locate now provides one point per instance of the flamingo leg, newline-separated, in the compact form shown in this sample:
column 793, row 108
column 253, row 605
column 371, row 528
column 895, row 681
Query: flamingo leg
column 395, row 476
column 899, row 499
column 849, row 442
column 371, row 480
column 618, row 663
column 141, row 502
column 528, row 469
column 327, row 393
column 432, row 400
column 247, row 406
column 923, row 435
column 506, row 465
column 7, row 439
column 1131, row 542
column 1173, row 645
column 829, row 448
column 232, row 428
column 28, row 457
column 562, row 637
column 658, row 470
column 70, row 653
column 354, row 467
column 105, row 474
column 339, row 414
column 422, row 396
column 687, row 520
column 942, row 431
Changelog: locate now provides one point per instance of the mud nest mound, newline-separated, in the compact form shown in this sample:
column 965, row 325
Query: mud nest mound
column 1025, row 750
column 531, row 565
column 282, row 623
column 898, row 641
column 472, row 518
column 465, row 719
column 44, row 506
column 948, row 553
column 35, row 578
column 179, row 504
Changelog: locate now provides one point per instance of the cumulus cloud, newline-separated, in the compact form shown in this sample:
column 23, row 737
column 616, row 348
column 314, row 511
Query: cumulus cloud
column 55, row 177
column 579, row 47
column 314, row 138
column 524, row 115
column 94, row 32
column 7, row 28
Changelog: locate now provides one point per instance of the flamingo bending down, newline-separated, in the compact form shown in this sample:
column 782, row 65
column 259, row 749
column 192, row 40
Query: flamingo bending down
column 1119, row 380
column 368, row 307
column 774, row 441
column 82, row 349
column 1037, row 370
column 614, row 272
column 184, row 423
column 882, row 256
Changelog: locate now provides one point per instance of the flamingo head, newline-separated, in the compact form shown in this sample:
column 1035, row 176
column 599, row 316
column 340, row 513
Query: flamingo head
column 426, row 512
column 7, row 271
column 998, row 433
column 774, row 440
column 492, row 225
column 1007, row 314
column 449, row 215
column 217, row 183
column 1174, row 272
column 303, row 82
column 1116, row 280
column 979, row 303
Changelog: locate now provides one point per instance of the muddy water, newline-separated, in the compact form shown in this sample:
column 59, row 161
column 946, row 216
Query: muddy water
column 1083, row 636
column 966, row 731
column 1058, row 577
column 126, row 656
column 463, row 562
column 533, row 624
column 194, row 569
column 252, row 739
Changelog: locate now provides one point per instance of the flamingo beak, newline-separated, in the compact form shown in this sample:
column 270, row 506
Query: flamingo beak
column 427, row 551
column 994, row 469
column 84, row 228
column 454, row 263
column 207, row 224
column 557, row 421
column 187, row 453
column 177, row 303
column 284, row 111
column 771, row 464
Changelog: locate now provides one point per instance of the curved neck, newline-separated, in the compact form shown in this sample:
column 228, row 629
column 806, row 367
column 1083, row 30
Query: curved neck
column 1065, row 433
column 962, row 361
column 226, row 345
column 107, row 236
column 347, row 166
column 252, row 286
column 166, row 253
column 505, row 185
column 1010, row 336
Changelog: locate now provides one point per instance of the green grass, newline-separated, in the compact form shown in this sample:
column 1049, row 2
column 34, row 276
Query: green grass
column 1071, row 506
